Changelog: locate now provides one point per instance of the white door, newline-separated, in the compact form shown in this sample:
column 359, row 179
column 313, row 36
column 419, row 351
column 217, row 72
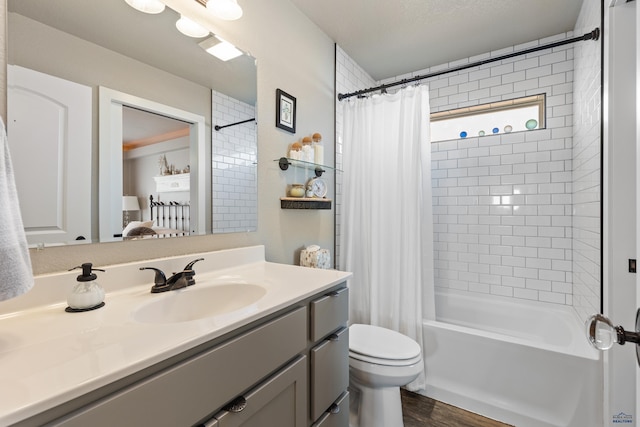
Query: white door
column 621, row 202
column 49, row 129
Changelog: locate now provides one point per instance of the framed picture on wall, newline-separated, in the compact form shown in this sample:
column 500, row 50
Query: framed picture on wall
column 285, row 111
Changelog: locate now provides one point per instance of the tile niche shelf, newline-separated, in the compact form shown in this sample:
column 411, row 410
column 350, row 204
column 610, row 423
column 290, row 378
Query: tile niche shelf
column 304, row 202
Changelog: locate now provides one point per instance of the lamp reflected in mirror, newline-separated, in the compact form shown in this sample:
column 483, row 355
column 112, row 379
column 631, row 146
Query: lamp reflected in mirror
column 129, row 204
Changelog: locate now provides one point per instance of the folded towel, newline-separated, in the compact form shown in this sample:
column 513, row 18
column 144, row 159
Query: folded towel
column 16, row 276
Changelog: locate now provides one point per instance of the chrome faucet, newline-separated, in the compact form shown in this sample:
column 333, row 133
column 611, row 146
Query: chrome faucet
column 178, row 280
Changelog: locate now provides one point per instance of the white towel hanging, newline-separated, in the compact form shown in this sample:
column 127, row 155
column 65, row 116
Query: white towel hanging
column 16, row 276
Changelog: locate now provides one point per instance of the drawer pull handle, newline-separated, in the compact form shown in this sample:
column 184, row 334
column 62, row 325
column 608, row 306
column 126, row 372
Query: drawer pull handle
column 237, row 405
column 333, row 294
column 333, row 337
column 333, row 409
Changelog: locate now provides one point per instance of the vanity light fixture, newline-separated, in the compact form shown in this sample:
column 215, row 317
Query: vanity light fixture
column 220, row 48
column 191, row 28
column 147, row 6
column 228, row 10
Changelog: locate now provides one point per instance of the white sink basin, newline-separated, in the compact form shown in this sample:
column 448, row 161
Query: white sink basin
column 221, row 302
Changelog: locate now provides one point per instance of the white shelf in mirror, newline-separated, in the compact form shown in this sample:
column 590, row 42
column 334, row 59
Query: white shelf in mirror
column 167, row 183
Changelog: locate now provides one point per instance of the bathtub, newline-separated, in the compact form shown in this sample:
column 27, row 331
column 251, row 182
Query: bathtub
column 524, row 363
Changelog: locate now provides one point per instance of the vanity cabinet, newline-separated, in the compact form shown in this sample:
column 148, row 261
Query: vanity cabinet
column 328, row 354
column 329, row 357
column 190, row 391
column 288, row 369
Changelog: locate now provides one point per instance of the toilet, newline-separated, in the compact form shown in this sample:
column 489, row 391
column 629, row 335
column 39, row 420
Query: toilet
column 380, row 362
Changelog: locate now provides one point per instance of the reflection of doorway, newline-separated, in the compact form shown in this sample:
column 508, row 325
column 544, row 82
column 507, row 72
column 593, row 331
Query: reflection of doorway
column 111, row 128
column 49, row 124
column 148, row 139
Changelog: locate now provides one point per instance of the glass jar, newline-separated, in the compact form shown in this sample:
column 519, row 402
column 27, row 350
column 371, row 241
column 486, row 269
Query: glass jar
column 297, row 190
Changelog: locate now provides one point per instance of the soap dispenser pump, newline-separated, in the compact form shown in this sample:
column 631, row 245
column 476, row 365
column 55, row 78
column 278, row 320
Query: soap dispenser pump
column 87, row 294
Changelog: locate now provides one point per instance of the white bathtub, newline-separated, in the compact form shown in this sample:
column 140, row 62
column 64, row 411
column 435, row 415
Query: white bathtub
column 520, row 362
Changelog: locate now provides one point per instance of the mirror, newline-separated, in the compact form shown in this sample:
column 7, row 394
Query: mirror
column 165, row 219
column 149, row 65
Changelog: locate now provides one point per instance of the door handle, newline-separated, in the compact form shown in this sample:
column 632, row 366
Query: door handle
column 603, row 335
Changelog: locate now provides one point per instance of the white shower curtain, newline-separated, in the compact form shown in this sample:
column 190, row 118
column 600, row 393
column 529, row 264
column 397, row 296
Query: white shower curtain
column 386, row 227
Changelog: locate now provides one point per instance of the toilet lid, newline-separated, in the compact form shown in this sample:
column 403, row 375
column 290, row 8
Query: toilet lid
column 381, row 343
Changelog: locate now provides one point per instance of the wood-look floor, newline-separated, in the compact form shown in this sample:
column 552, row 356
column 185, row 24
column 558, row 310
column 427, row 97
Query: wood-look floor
column 420, row 411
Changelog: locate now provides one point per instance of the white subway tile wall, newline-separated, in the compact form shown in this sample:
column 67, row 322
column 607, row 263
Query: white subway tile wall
column 502, row 215
column 503, row 204
column 234, row 171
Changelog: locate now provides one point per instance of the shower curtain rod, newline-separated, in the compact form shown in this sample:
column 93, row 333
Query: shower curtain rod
column 593, row 35
column 216, row 127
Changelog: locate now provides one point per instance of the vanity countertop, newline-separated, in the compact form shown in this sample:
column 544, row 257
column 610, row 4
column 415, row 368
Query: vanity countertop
column 49, row 356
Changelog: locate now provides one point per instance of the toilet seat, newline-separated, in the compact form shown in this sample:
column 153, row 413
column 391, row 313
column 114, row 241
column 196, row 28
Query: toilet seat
column 382, row 346
column 385, row 362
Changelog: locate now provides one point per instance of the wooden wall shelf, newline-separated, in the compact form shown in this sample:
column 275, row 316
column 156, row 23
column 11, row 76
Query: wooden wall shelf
column 304, row 203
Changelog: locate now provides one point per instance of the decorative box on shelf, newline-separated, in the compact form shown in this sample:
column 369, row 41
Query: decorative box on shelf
column 167, row 183
column 304, row 203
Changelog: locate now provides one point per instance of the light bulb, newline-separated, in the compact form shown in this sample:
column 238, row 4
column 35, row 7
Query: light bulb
column 147, row 6
column 229, row 10
column 190, row 28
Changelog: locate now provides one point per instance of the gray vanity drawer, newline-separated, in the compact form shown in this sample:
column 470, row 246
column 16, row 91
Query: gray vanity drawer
column 191, row 390
column 281, row 401
column 329, row 371
column 329, row 313
column 337, row 415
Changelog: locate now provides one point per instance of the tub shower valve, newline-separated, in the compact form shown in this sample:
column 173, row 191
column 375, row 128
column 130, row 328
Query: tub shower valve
column 603, row 335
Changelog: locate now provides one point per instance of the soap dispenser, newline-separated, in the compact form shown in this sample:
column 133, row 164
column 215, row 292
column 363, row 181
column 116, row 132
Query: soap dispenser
column 87, row 294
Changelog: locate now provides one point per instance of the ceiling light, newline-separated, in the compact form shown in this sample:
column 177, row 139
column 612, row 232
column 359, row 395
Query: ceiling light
column 220, row 48
column 190, row 28
column 147, row 6
column 229, row 10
